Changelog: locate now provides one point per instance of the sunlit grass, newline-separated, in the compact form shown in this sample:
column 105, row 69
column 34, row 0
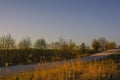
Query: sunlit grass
column 101, row 70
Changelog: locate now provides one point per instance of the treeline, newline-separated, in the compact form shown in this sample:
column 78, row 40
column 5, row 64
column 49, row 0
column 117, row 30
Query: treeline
column 26, row 52
column 101, row 44
column 8, row 42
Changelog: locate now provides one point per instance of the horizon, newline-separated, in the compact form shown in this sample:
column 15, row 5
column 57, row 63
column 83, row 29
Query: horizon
column 81, row 21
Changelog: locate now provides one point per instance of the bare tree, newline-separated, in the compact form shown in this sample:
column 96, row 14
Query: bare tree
column 102, row 42
column 25, row 43
column 40, row 44
column 7, row 42
column 96, row 45
column 55, row 45
column 63, row 44
column 83, row 48
column 71, row 45
column 111, row 45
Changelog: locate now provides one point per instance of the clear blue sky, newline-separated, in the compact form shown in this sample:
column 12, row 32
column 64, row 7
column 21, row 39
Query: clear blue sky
column 79, row 20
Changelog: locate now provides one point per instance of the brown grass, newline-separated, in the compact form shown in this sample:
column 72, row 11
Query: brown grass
column 102, row 70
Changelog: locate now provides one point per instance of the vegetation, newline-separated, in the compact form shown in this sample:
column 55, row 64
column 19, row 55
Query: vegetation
column 111, row 45
column 102, row 70
column 96, row 45
column 114, row 57
column 25, row 43
column 30, row 56
column 40, row 44
column 26, row 52
column 102, row 44
column 7, row 42
column 83, row 48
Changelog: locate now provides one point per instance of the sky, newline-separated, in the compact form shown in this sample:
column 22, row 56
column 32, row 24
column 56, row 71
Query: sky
column 79, row 20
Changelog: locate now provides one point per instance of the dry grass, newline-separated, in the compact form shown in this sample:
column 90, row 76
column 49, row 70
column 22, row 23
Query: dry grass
column 102, row 70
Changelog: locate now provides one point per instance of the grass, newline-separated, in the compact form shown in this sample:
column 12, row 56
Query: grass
column 107, row 69
column 114, row 57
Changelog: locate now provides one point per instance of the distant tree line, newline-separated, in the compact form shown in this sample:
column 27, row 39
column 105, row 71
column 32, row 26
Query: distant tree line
column 26, row 52
column 8, row 42
column 103, row 44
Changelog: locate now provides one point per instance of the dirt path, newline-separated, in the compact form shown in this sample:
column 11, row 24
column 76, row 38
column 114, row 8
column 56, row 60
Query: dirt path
column 18, row 69
column 97, row 56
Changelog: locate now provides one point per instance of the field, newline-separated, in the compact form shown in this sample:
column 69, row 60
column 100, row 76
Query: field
column 106, row 69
